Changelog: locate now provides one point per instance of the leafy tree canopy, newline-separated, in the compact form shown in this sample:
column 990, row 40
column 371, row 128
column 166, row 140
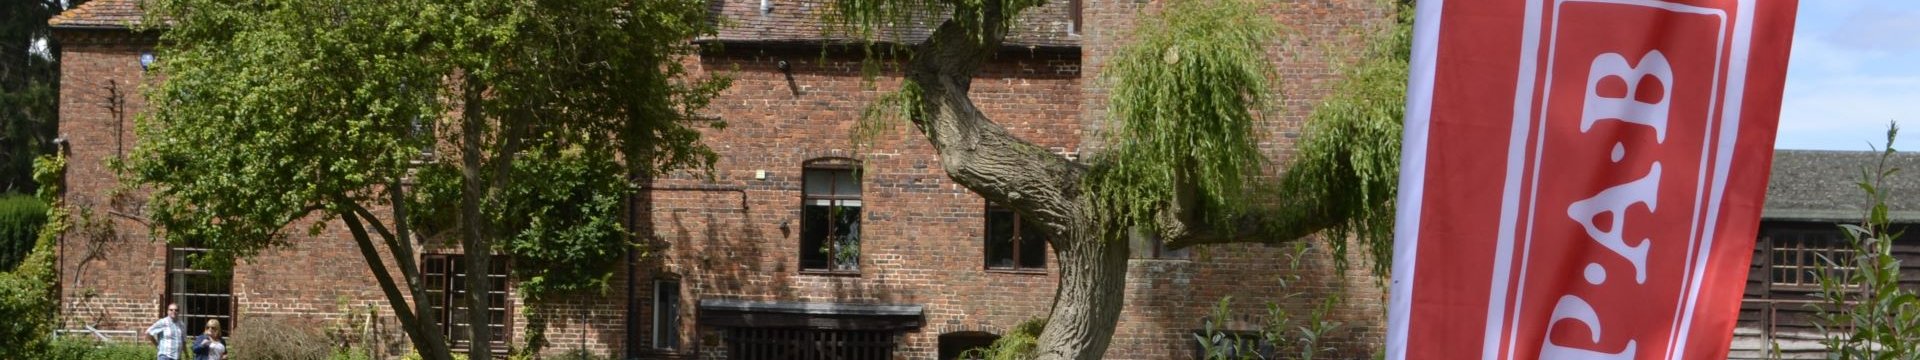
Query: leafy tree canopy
column 515, row 121
column 275, row 111
column 1347, row 167
column 29, row 88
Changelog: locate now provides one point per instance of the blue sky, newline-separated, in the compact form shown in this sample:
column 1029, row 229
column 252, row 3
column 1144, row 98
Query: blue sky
column 1855, row 67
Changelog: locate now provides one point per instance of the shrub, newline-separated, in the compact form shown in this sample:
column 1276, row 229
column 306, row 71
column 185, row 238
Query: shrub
column 416, row 356
column 1866, row 313
column 350, row 354
column 579, row 354
column 279, row 339
column 90, row 349
column 21, row 217
column 28, row 292
column 1017, row 344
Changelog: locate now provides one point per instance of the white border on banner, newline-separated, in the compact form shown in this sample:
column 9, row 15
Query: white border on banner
column 1413, row 171
column 1510, row 207
column 1736, row 85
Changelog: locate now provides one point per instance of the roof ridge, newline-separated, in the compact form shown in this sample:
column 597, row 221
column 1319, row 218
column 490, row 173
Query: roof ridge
column 99, row 14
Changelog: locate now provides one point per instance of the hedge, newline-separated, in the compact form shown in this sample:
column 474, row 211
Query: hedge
column 21, row 217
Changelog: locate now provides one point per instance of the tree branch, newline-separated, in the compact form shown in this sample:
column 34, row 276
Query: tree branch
column 976, row 152
column 399, row 244
column 411, row 323
column 1289, row 220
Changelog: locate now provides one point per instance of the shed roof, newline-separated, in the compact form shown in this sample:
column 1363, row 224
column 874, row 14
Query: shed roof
column 1820, row 185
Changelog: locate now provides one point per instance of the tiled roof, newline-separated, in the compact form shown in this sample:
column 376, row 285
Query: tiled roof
column 100, row 14
column 1815, row 185
column 798, row 21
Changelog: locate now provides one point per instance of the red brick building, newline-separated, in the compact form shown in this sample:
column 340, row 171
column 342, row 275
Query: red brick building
column 738, row 266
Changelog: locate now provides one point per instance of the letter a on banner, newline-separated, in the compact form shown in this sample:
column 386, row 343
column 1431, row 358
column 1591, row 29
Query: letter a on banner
column 1582, row 179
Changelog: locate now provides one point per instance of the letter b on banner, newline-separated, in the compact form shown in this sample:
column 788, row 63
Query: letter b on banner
column 1628, row 107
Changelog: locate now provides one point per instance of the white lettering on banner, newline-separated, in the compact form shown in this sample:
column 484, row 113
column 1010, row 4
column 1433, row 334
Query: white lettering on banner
column 1613, row 202
column 1573, row 308
column 1627, row 107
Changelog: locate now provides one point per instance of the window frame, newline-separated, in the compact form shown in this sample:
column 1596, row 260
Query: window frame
column 1076, row 10
column 831, row 165
column 1804, row 247
column 669, row 317
column 1016, row 238
column 443, row 310
column 179, row 271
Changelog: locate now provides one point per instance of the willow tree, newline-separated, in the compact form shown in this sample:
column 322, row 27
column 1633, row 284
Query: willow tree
column 1179, row 160
column 511, row 126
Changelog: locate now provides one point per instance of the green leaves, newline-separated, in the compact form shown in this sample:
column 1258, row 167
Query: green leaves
column 29, row 89
column 28, row 296
column 1184, row 99
column 1347, row 167
column 564, row 230
column 272, row 113
column 21, row 217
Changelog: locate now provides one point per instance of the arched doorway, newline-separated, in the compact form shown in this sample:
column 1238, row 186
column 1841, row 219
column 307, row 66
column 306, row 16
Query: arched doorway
column 953, row 344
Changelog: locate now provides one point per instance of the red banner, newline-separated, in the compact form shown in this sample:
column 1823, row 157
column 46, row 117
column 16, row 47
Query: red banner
column 1583, row 179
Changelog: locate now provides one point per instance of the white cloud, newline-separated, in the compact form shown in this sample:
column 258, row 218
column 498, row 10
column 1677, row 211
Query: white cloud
column 1849, row 113
column 1840, row 97
column 1877, row 28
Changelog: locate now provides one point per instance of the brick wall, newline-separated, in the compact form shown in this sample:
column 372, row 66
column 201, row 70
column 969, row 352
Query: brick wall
column 110, row 279
column 921, row 233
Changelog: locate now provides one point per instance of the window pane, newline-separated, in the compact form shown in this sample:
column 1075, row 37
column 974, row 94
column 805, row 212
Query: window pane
column 1033, row 246
column 666, row 319
column 445, row 278
column 818, row 182
column 999, row 238
column 845, row 183
column 845, row 246
column 813, row 234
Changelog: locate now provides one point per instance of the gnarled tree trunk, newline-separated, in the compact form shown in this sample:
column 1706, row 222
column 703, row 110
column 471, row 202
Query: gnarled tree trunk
column 1041, row 186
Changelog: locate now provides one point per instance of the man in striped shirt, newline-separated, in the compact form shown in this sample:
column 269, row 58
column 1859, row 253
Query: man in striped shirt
column 167, row 334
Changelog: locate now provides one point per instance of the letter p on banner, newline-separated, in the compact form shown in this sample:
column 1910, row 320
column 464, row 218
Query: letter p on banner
column 1583, row 179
